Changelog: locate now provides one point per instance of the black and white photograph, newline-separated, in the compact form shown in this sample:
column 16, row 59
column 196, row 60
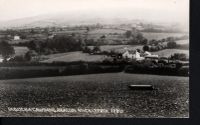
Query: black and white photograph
column 94, row 58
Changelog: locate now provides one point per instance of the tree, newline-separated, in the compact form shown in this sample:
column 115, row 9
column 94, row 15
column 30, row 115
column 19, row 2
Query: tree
column 170, row 39
column 87, row 29
column 86, row 49
column 30, row 54
column 171, row 44
column 23, row 36
column 139, row 36
column 96, row 49
column 179, row 56
column 6, row 50
column 146, row 48
column 138, row 50
column 128, row 34
column 144, row 41
column 19, row 58
column 103, row 37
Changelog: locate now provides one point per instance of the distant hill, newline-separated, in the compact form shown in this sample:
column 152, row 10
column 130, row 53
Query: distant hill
column 61, row 20
column 70, row 19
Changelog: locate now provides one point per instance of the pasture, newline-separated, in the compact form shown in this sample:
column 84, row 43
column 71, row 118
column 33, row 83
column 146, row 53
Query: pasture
column 169, row 52
column 98, row 91
column 182, row 41
column 158, row 36
column 118, row 48
column 72, row 57
column 20, row 50
column 107, row 31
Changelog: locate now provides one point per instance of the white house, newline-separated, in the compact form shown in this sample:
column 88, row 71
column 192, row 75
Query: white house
column 1, row 59
column 16, row 37
column 132, row 55
column 127, row 55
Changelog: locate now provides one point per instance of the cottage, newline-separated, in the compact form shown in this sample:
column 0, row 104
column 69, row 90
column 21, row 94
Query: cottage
column 132, row 55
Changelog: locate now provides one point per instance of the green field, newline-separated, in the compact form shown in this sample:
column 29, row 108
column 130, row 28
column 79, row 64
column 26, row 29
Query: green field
column 118, row 47
column 20, row 50
column 107, row 31
column 98, row 91
column 182, row 41
column 158, row 36
column 169, row 52
column 79, row 56
column 73, row 56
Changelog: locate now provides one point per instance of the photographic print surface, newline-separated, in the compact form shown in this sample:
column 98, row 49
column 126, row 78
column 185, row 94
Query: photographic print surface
column 94, row 58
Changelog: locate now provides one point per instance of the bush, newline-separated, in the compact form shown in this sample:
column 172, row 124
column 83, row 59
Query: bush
column 6, row 50
column 171, row 45
column 30, row 54
column 86, row 50
column 146, row 48
column 96, row 49
column 18, row 59
column 179, row 56
column 46, row 71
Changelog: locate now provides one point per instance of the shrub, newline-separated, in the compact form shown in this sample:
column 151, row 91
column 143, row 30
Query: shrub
column 86, row 49
column 179, row 56
column 6, row 50
column 146, row 48
column 171, row 45
column 96, row 49
column 18, row 59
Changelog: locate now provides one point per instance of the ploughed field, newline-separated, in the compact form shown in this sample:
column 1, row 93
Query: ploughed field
column 97, row 91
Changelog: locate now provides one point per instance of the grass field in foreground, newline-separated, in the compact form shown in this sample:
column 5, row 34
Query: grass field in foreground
column 98, row 91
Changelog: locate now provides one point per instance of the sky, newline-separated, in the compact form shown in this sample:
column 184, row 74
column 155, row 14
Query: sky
column 160, row 10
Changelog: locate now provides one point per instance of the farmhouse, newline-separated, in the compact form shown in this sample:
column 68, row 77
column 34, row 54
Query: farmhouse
column 132, row 55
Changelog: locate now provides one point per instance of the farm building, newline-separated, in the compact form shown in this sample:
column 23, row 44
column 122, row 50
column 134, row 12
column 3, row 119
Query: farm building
column 132, row 55
column 148, row 54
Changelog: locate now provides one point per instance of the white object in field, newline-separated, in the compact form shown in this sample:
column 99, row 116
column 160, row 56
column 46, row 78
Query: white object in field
column 135, row 55
column 153, row 56
column 141, row 87
column 16, row 37
column 127, row 55
column 140, row 58
column 146, row 53
column 1, row 59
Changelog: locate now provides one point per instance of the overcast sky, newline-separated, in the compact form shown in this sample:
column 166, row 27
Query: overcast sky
column 161, row 10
